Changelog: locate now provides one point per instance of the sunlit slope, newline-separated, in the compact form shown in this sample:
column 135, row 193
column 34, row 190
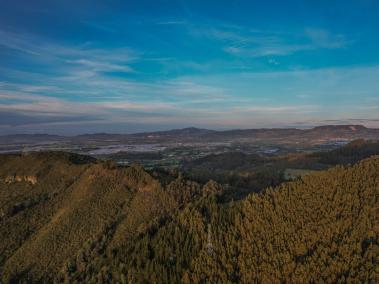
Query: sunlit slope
column 71, row 218
column 324, row 227
column 25, row 208
column 70, row 204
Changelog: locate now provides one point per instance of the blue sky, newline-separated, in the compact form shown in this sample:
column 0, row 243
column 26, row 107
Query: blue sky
column 71, row 67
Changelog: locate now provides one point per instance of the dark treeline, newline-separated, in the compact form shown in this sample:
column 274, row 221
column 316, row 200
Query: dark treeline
column 351, row 153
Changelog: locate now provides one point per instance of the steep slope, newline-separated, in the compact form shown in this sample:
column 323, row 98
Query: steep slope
column 77, row 219
column 69, row 205
column 26, row 207
column 324, row 227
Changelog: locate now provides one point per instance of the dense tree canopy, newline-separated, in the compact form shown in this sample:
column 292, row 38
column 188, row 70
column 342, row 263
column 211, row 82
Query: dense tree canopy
column 93, row 222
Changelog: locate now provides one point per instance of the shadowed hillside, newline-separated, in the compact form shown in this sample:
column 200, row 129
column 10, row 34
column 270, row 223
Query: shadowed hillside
column 350, row 153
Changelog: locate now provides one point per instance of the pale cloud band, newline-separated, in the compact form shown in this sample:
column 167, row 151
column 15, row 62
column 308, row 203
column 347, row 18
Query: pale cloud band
column 76, row 85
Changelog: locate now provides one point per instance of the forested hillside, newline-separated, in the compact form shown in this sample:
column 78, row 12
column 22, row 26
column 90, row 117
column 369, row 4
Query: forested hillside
column 67, row 218
column 350, row 153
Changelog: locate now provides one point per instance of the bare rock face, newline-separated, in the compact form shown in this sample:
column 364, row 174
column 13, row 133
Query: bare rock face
column 18, row 178
column 31, row 179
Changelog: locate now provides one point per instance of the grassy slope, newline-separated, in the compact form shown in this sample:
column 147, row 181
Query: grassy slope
column 71, row 205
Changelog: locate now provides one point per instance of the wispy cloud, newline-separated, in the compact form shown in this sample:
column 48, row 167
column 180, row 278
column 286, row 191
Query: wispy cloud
column 282, row 109
column 98, row 65
column 75, row 84
column 172, row 22
column 324, row 39
column 242, row 41
column 101, row 27
column 193, row 100
column 10, row 118
column 69, row 56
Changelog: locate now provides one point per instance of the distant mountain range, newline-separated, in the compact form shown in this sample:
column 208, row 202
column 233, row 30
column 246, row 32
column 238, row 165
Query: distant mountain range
column 192, row 134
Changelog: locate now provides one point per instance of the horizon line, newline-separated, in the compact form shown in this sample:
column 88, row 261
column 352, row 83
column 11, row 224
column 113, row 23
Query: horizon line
column 307, row 127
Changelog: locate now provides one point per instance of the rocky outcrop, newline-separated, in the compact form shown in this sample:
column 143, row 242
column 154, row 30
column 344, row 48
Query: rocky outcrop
column 20, row 178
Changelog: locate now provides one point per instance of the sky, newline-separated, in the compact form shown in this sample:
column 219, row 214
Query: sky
column 70, row 67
